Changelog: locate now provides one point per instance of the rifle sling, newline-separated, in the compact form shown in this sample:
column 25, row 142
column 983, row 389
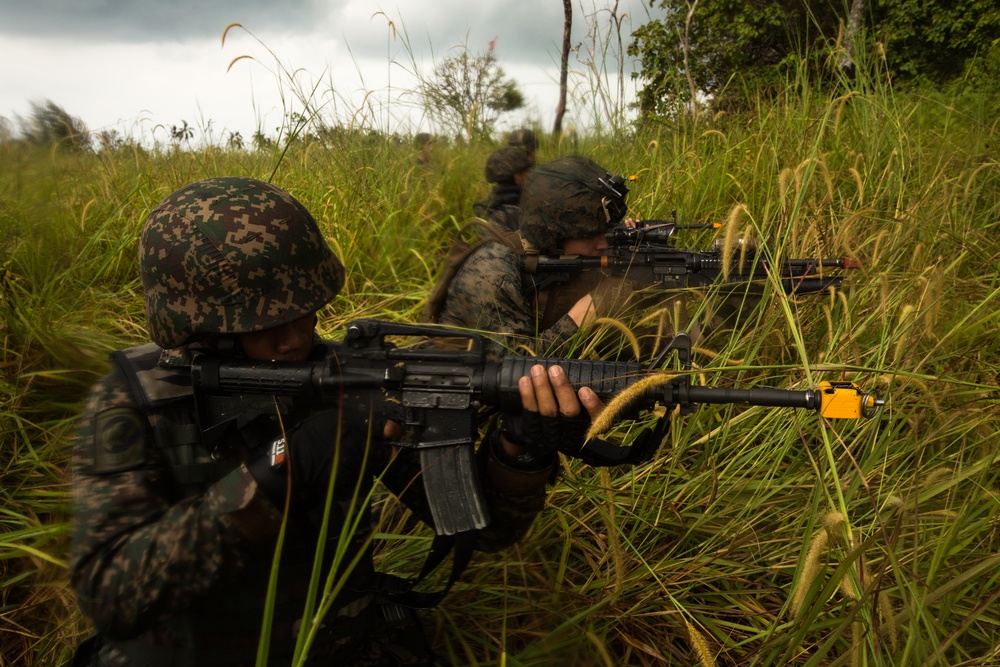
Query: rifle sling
column 400, row 590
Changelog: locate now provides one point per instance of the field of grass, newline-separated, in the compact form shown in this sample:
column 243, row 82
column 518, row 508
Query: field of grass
column 756, row 536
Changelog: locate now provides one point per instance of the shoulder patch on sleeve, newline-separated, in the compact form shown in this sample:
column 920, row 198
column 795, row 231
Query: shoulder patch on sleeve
column 119, row 440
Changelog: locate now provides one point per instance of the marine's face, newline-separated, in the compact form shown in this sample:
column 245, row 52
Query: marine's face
column 288, row 342
column 590, row 246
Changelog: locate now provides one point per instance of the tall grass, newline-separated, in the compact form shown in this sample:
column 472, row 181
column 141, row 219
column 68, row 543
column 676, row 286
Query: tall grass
column 756, row 536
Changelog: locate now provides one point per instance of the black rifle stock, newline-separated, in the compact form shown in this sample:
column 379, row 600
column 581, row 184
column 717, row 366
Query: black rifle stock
column 437, row 393
column 647, row 255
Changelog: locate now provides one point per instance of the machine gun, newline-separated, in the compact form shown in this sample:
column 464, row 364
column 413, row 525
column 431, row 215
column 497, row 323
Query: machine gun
column 437, row 394
column 645, row 253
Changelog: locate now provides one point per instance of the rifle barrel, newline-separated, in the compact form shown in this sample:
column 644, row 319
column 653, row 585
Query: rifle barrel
column 609, row 378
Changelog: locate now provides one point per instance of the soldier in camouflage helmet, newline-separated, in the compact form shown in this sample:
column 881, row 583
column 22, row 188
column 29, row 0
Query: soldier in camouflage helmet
column 506, row 168
column 424, row 144
column 232, row 256
column 175, row 528
column 526, row 139
column 566, row 207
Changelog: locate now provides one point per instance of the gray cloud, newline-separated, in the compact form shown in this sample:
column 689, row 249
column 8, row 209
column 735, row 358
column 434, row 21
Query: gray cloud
column 525, row 35
column 151, row 20
column 438, row 26
column 78, row 46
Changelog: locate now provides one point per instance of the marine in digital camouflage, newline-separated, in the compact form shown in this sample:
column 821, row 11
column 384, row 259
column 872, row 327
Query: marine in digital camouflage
column 526, row 139
column 505, row 168
column 504, row 164
column 487, row 295
column 232, row 255
column 173, row 538
column 175, row 573
column 572, row 197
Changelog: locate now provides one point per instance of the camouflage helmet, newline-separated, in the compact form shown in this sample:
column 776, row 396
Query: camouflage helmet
column 524, row 138
column 570, row 198
column 503, row 164
column 232, row 255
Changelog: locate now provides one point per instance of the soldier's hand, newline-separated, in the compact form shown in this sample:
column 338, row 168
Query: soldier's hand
column 551, row 394
column 310, row 448
column 554, row 418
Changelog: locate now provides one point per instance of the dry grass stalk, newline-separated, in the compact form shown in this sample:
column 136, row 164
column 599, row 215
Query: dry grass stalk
column 859, row 184
column 615, row 324
column 833, row 530
column 888, row 618
column 730, row 239
column 884, row 288
column 784, row 178
column 840, row 103
column 701, row 647
column 712, row 354
column 827, row 180
column 614, row 538
column 903, row 326
column 716, row 133
column 616, row 405
column 660, row 316
column 846, row 237
column 972, row 176
column 857, row 633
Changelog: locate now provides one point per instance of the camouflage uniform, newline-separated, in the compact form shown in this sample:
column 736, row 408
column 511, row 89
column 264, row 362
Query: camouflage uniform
column 562, row 199
column 501, row 207
column 173, row 535
column 526, row 139
column 424, row 144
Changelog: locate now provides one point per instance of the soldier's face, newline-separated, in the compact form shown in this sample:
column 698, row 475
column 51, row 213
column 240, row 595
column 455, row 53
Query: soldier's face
column 289, row 342
column 591, row 246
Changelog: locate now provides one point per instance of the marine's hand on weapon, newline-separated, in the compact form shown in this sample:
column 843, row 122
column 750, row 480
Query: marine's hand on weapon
column 308, row 451
column 305, row 457
column 436, row 393
column 554, row 417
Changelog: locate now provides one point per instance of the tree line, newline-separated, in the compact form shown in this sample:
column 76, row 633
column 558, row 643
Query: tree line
column 702, row 48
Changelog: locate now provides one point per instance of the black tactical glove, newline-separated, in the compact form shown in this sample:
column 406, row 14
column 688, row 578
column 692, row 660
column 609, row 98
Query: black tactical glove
column 541, row 437
column 309, row 452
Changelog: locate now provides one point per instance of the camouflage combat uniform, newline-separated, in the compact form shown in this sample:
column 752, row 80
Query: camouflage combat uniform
column 501, row 207
column 524, row 138
column 172, row 553
column 173, row 537
column 561, row 199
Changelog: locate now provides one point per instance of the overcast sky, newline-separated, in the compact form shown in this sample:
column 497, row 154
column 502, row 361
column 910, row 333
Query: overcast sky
column 133, row 65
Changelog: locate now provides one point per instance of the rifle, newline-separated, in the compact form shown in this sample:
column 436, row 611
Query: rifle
column 647, row 255
column 437, row 394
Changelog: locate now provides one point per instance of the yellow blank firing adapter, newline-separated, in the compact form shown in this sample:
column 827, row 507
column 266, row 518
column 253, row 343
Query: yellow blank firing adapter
column 845, row 400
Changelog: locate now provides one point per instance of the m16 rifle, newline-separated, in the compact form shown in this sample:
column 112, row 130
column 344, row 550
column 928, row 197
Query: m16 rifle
column 436, row 394
column 647, row 255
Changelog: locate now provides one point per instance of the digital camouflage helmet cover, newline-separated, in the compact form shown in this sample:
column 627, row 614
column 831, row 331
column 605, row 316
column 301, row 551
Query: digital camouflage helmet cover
column 524, row 138
column 503, row 164
column 570, row 198
column 232, row 255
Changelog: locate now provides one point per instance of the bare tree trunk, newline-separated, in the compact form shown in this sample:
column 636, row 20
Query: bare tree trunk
column 693, row 104
column 564, row 69
column 853, row 22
